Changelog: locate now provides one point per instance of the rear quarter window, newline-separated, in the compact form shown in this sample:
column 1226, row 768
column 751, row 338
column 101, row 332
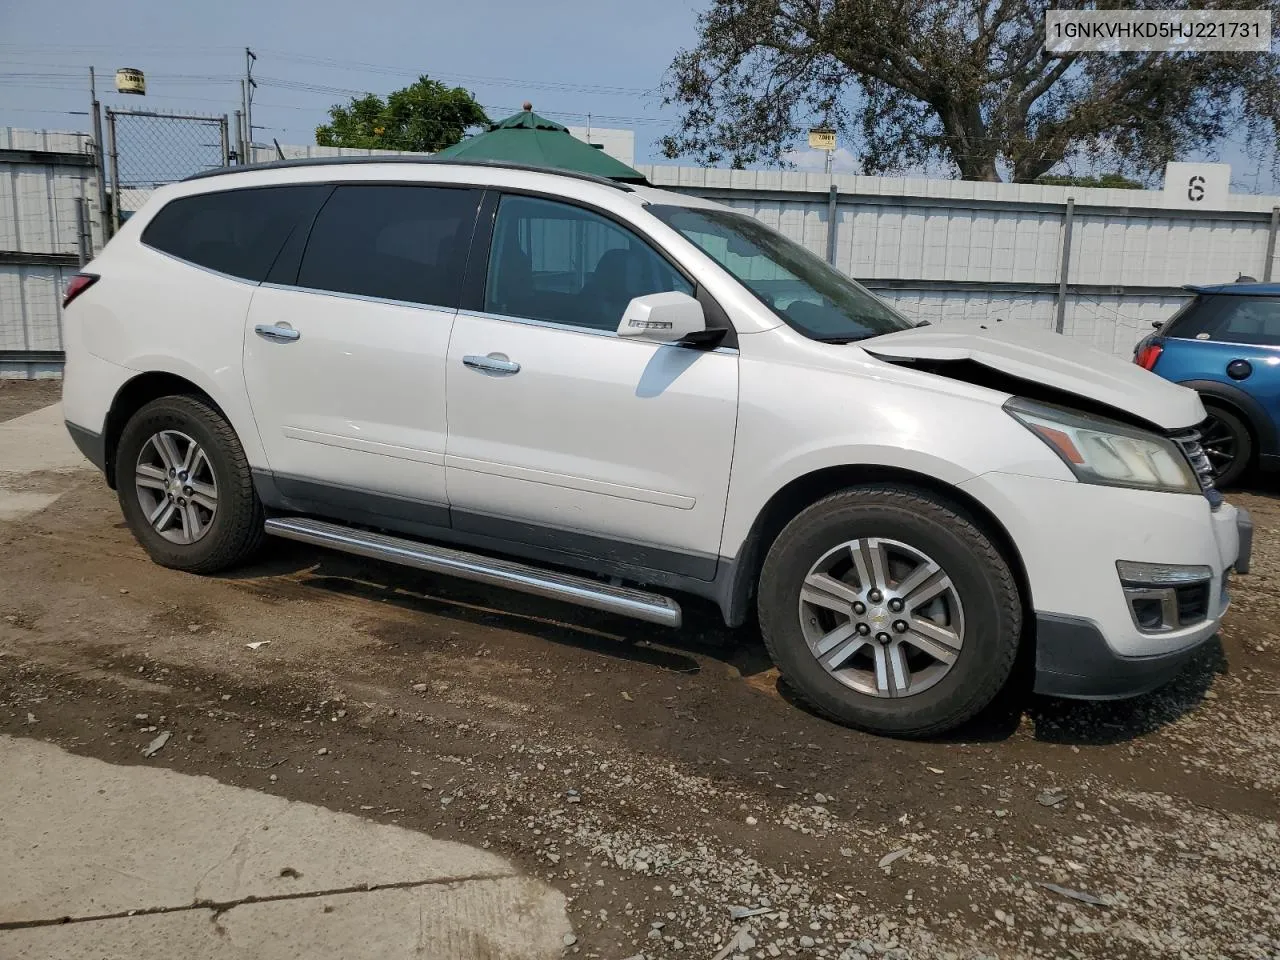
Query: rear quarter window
column 238, row 232
column 1228, row 318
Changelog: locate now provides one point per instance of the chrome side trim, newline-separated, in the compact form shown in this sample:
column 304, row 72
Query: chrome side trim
column 358, row 297
column 639, row 604
column 585, row 331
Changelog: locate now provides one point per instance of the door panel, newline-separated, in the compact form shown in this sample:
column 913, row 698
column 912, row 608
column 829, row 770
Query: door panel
column 358, row 399
column 346, row 370
column 595, row 434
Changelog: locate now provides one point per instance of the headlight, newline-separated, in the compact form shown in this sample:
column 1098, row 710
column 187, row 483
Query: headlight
column 1106, row 452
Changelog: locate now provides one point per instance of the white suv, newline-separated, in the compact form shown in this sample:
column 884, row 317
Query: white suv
column 660, row 392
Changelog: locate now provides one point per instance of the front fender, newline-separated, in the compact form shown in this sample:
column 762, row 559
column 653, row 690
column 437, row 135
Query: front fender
column 796, row 420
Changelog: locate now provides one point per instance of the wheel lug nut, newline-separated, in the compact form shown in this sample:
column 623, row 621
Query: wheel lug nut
column 883, row 637
column 875, row 596
column 900, row 626
column 172, row 472
column 187, row 491
column 895, row 604
column 859, row 607
column 182, row 502
column 863, row 629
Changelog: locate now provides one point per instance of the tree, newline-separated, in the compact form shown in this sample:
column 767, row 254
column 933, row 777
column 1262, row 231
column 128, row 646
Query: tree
column 426, row 116
column 966, row 82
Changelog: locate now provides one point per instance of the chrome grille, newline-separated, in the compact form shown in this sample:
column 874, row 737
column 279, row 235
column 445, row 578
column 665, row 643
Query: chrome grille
column 1188, row 442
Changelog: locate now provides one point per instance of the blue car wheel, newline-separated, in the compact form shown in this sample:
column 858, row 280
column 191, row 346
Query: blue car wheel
column 1227, row 444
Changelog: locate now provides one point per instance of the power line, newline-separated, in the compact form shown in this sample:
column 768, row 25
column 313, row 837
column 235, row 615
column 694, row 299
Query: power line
column 564, row 86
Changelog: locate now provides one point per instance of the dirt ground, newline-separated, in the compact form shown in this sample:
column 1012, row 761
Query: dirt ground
column 23, row 396
column 665, row 782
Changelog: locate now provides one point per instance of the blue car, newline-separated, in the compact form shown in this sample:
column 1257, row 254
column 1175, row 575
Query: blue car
column 1225, row 344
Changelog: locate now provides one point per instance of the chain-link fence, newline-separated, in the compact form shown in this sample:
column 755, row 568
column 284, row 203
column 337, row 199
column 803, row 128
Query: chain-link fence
column 148, row 150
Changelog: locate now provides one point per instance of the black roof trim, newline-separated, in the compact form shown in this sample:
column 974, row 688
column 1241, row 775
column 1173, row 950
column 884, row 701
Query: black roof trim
column 349, row 161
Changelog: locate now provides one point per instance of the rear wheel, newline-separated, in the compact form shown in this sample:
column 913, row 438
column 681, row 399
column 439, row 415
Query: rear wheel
column 888, row 610
column 185, row 487
column 1228, row 445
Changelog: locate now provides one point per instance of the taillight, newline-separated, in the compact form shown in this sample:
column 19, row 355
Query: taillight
column 1147, row 355
column 78, row 285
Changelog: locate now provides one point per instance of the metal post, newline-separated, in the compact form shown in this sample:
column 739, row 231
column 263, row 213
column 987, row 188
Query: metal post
column 244, row 106
column 1271, row 244
column 240, row 157
column 225, row 139
column 83, row 241
column 249, row 57
column 832, row 226
column 99, row 153
column 115, row 172
column 1060, row 322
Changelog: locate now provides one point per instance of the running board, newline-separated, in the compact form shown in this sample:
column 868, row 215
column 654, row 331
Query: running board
column 582, row 591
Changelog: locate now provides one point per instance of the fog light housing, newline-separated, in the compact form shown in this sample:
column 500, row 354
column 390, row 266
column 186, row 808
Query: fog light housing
column 1165, row 596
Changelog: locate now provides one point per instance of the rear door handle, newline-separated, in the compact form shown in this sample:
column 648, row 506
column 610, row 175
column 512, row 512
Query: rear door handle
column 495, row 364
column 277, row 332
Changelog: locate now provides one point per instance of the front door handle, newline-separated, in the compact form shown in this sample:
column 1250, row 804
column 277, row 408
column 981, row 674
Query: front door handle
column 495, row 364
column 277, row 332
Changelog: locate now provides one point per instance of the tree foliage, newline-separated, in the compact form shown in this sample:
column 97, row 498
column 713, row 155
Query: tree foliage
column 426, row 116
column 1116, row 181
column 963, row 82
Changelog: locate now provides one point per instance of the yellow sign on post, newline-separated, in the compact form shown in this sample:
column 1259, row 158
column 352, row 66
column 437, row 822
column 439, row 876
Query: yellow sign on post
column 822, row 139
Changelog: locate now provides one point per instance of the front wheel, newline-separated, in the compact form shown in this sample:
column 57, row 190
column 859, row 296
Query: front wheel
column 185, row 487
column 888, row 610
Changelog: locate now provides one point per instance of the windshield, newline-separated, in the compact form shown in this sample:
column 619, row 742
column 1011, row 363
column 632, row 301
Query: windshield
column 803, row 290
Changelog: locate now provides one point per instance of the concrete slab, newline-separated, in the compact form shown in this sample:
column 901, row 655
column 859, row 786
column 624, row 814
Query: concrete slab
column 38, row 441
column 17, row 504
column 85, row 839
column 485, row 920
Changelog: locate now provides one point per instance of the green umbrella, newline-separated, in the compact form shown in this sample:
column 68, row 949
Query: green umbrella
column 529, row 139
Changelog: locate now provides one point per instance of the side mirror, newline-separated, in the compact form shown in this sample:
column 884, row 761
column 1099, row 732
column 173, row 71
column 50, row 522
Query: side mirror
column 662, row 318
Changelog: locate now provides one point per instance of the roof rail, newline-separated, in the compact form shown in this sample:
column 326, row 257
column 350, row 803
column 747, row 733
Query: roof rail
column 345, row 161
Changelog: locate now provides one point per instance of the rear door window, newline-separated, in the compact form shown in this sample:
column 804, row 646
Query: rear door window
column 392, row 242
column 237, row 232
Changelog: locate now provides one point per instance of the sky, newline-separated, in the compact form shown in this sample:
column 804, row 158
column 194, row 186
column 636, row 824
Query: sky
column 570, row 59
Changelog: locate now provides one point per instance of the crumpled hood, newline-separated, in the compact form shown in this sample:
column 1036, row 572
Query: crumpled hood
column 1050, row 359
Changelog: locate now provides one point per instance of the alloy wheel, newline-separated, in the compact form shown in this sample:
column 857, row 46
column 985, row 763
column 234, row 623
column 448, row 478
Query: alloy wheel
column 176, row 486
column 882, row 617
column 1219, row 444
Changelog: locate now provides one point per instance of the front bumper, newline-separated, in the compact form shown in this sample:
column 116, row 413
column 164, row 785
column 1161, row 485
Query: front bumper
column 1073, row 660
column 1070, row 535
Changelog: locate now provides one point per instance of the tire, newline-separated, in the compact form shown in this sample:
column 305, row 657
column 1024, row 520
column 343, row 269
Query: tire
column 978, row 611
column 1229, row 445
column 217, row 538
